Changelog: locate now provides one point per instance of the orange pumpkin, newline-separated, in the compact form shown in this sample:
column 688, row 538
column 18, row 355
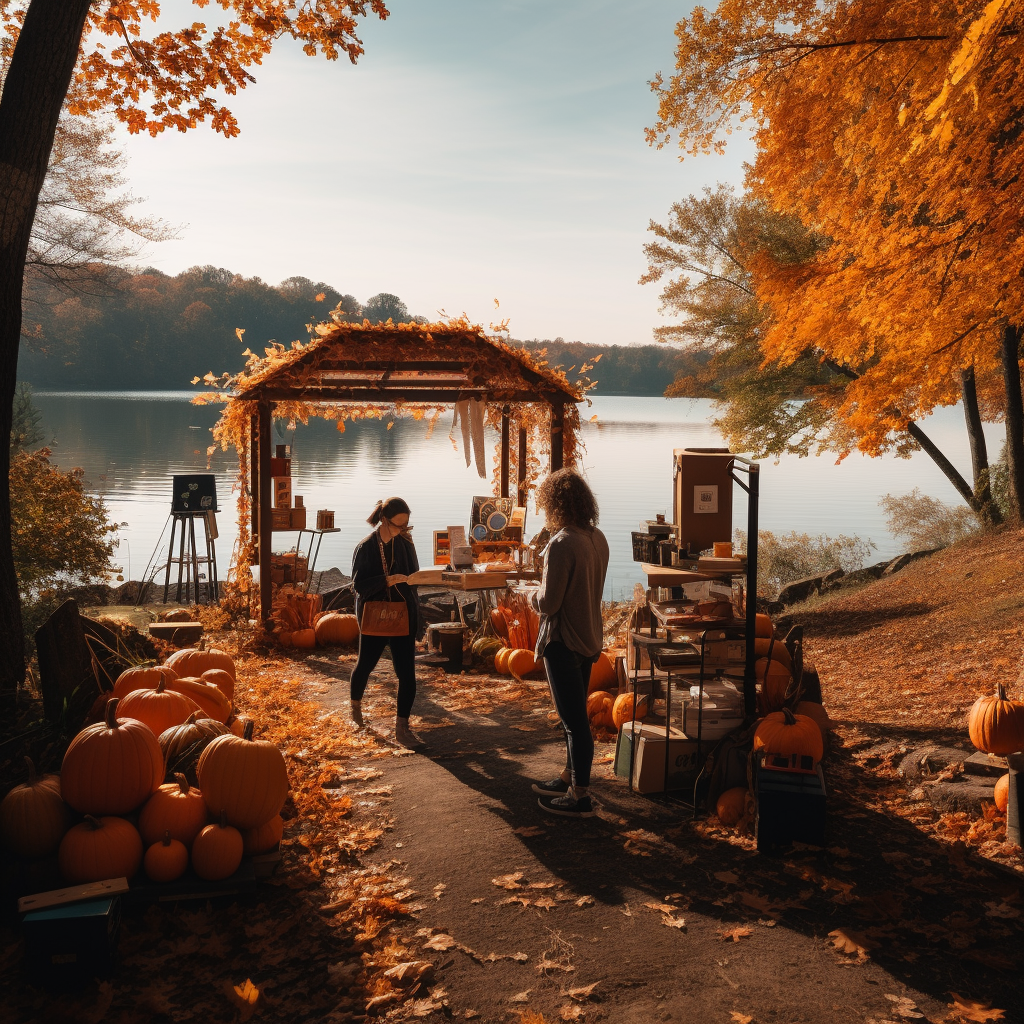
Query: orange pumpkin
column 159, row 708
column 166, row 860
column 217, row 851
column 209, row 698
column 238, row 723
column 111, row 767
column 337, row 628
column 789, row 735
column 599, row 710
column 304, row 638
column 819, row 714
column 177, row 809
column 775, row 679
column 33, row 818
column 622, row 709
column 996, row 723
column 499, row 623
column 100, row 848
column 763, row 626
column 1001, row 794
column 779, row 650
column 501, row 661
column 141, row 678
column 522, row 663
column 732, row 806
column 264, row 838
column 245, row 779
column 183, row 744
column 602, row 674
column 224, row 681
column 194, row 661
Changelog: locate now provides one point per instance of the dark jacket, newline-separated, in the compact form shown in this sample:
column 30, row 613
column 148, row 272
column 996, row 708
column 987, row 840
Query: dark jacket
column 368, row 577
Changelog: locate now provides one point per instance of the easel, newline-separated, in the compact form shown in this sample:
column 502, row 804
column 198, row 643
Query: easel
column 188, row 559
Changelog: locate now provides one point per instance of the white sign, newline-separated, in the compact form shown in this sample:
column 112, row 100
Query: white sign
column 705, row 498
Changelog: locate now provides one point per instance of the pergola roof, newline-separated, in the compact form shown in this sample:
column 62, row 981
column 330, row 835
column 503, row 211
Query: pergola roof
column 402, row 363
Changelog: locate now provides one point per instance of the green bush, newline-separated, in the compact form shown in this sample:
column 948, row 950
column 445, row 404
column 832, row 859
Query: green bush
column 924, row 522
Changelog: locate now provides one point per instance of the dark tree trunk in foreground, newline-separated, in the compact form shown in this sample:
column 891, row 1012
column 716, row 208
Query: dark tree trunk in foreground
column 37, row 82
column 1014, row 418
column 989, row 510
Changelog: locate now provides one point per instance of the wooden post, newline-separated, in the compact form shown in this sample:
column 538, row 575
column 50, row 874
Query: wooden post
column 254, row 482
column 557, row 422
column 266, row 518
column 521, row 467
column 506, row 452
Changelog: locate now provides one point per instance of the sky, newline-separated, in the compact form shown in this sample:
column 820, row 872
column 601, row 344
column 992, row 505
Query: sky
column 479, row 150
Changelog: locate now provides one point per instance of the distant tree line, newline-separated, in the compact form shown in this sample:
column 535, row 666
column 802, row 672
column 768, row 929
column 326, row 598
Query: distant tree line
column 152, row 331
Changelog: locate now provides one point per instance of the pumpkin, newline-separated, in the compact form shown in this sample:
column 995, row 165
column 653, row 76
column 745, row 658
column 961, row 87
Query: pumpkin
column 498, row 623
column 622, row 710
column 501, row 661
column 790, row 735
column 245, row 779
column 224, row 681
column 763, row 626
column 732, row 805
column 819, row 714
column 217, row 851
column 774, row 678
column 996, row 724
column 337, row 628
column 166, row 860
column 141, row 678
column 304, row 638
column 779, row 650
column 599, row 710
column 33, row 818
column 194, row 661
column 486, row 648
column 602, row 674
column 177, row 809
column 183, row 744
column 1001, row 794
column 264, row 838
column 111, row 767
column 178, row 615
column 158, row 708
column 209, row 698
column 100, row 848
column 522, row 663
column 238, row 723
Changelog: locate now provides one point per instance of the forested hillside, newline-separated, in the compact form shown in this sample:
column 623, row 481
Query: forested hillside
column 151, row 331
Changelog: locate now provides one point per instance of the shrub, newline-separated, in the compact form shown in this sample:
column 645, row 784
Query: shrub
column 924, row 522
column 782, row 558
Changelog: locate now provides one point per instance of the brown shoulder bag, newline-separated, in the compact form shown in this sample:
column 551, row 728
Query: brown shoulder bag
column 385, row 618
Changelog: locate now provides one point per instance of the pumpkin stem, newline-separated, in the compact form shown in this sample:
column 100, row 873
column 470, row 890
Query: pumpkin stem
column 788, row 717
column 1000, row 691
column 167, row 837
column 182, row 783
column 111, row 713
column 93, row 823
column 160, row 685
column 193, row 718
column 247, row 730
column 32, row 774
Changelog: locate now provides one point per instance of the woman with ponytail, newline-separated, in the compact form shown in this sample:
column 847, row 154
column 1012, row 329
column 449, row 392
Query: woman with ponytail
column 381, row 567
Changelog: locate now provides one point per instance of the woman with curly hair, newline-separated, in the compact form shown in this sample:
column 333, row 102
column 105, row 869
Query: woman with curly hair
column 571, row 634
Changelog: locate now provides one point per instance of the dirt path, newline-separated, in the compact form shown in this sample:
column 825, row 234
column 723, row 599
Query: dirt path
column 649, row 915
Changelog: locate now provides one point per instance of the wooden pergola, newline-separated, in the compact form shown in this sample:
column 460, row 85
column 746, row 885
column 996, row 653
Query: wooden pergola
column 399, row 367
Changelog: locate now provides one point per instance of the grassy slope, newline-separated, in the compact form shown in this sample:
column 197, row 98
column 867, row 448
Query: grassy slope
column 915, row 650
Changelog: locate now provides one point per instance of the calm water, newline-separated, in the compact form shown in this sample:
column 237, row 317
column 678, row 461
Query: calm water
column 129, row 445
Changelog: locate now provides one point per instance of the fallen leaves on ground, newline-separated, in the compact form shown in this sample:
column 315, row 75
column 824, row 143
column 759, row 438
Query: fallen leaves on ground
column 971, row 1010
column 850, row 943
column 735, row 934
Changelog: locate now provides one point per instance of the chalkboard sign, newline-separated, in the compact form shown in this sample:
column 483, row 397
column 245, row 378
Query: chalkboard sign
column 196, row 494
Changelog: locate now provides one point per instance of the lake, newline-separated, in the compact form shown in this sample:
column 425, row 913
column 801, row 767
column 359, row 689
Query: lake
column 130, row 443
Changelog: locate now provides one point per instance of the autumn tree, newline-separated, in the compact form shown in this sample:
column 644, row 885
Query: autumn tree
column 891, row 130
column 172, row 79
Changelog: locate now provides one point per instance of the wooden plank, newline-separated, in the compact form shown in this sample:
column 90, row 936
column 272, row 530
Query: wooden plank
column 65, row 661
column 557, row 436
column 265, row 512
column 521, row 490
column 506, row 452
column 357, row 396
column 73, row 894
column 177, row 632
column 665, row 576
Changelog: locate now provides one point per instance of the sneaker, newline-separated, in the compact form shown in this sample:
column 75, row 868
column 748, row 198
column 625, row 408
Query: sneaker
column 409, row 739
column 556, row 787
column 568, row 805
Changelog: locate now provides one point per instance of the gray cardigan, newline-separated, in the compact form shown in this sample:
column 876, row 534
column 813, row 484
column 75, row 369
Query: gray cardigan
column 569, row 598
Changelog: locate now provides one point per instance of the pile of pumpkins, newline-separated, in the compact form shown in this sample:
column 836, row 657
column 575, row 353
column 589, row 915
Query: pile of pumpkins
column 495, row 655
column 170, row 776
column 996, row 726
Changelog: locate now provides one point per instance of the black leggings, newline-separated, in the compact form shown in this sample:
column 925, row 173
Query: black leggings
column 403, row 653
column 569, row 676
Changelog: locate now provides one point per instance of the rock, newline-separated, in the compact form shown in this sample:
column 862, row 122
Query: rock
column 923, row 762
column 967, row 793
column 799, row 590
column 859, row 577
column 901, row 561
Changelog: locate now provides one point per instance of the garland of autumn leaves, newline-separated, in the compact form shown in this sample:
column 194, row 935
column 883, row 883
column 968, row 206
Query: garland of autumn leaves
column 233, row 427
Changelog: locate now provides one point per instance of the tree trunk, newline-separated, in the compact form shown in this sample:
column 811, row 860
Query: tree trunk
column 1014, row 418
column 989, row 513
column 33, row 94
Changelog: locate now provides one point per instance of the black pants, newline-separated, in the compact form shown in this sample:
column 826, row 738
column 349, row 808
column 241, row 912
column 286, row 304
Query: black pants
column 569, row 676
column 403, row 652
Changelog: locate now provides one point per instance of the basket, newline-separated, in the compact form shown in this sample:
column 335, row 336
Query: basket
column 645, row 548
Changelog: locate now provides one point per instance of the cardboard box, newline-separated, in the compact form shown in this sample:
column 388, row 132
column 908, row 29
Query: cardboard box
column 282, row 492
column 325, row 519
column 649, row 762
column 714, row 721
column 297, row 519
column 280, row 467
